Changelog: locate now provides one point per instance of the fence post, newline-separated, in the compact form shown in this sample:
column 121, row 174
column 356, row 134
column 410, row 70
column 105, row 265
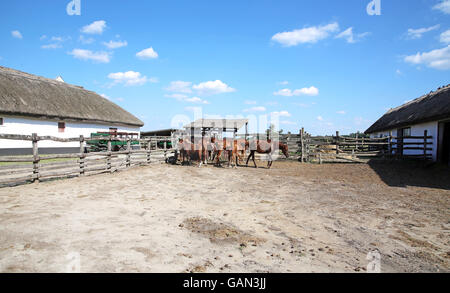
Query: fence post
column 390, row 143
column 82, row 156
column 149, row 150
column 36, row 158
column 108, row 158
column 356, row 143
column 337, row 142
column 128, row 164
column 165, row 150
column 302, row 145
column 425, row 134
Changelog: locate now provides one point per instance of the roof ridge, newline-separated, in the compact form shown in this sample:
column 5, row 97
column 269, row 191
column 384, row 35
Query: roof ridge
column 23, row 74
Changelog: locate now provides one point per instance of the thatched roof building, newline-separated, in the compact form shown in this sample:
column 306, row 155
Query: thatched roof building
column 434, row 106
column 23, row 94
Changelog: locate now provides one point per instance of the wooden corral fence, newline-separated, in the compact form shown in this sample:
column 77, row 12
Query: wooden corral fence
column 307, row 148
column 21, row 169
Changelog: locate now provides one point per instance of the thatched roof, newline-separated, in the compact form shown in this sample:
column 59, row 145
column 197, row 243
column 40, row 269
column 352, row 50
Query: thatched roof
column 30, row 95
column 217, row 123
column 431, row 107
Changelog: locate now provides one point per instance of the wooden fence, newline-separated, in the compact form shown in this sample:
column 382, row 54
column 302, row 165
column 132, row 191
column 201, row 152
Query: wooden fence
column 20, row 169
column 308, row 148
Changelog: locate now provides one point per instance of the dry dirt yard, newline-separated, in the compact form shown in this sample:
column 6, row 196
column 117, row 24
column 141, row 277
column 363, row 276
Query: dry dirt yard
column 293, row 218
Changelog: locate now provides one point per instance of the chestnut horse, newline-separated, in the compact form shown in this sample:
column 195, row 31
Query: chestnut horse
column 265, row 147
column 233, row 149
column 194, row 151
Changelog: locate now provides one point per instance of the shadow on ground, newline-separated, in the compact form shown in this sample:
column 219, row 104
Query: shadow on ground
column 412, row 173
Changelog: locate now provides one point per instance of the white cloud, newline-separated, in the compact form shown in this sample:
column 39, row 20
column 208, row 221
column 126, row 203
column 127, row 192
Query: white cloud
column 418, row 33
column 306, row 35
column 196, row 100
column 250, row 102
column 437, row 59
column 17, row 34
column 129, row 78
column 57, row 42
column 99, row 57
column 444, row 6
column 342, row 112
column 185, row 98
column 202, row 89
column 212, row 88
column 281, row 114
column 147, row 54
column 445, row 37
column 52, row 46
column 115, row 44
column 283, row 82
column 95, row 28
column 86, row 41
column 43, row 37
column 180, row 87
column 320, row 118
column 398, row 72
column 349, row 36
column 255, row 109
column 311, row 91
column 105, row 96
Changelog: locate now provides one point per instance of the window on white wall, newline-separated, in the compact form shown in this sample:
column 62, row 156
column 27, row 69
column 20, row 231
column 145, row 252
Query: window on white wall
column 61, row 126
column 406, row 131
column 1, row 121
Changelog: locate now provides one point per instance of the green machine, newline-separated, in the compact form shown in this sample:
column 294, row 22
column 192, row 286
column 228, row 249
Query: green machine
column 97, row 144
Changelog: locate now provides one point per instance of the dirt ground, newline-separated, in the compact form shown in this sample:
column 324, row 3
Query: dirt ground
column 293, row 218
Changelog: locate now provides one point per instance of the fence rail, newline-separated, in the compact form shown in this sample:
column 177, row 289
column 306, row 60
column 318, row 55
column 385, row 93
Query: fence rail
column 34, row 168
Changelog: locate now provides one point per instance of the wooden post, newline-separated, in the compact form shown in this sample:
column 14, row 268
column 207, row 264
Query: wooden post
column 36, row 158
column 320, row 158
column 356, row 143
column 128, row 163
column 302, row 145
column 337, row 142
column 82, row 155
column 108, row 158
column 425, row 134
column 390, row 143
column 165, row 150
column 362, row 144
column 246, row 131
column 149, row 150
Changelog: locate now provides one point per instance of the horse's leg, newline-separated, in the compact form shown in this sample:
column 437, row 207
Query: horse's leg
column 253, row 157
column 248, row 159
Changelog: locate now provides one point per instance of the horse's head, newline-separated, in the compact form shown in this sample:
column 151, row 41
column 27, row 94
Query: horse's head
column 284, row 149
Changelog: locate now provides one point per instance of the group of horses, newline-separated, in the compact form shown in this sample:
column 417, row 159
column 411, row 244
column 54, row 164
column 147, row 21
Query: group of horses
column 211, row 149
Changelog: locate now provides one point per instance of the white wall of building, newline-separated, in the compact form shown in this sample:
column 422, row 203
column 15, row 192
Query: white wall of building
column 417, row 130
column 28, row 126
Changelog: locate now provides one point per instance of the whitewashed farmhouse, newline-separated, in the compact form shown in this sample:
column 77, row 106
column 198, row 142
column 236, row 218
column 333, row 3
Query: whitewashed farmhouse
column 33, row 104
column 430, row 112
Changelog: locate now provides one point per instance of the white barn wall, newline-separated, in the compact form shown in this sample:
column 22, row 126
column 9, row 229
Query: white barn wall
column 28, row 126
column 417, row 130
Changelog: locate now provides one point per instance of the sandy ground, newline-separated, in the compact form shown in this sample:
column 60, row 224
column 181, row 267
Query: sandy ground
column 293, row 218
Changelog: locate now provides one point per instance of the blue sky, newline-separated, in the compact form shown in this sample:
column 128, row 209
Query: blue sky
column 322, row 65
